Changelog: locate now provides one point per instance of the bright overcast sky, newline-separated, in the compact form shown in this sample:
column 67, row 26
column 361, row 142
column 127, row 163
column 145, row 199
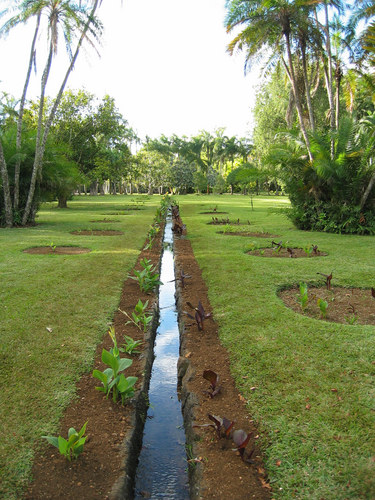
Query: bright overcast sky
column 164, row 62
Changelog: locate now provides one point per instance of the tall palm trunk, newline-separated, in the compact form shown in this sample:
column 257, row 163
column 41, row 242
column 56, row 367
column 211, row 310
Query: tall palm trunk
column 330, row 79
column 17, row 167
column 41, row 148
column 6, row 189
column 292, row 78
column 307, row 87
column 338, row 76
column 38, row 149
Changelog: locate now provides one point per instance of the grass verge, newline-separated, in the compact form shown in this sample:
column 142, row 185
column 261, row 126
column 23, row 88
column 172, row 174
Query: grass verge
column 74, row 296
column 309, row 384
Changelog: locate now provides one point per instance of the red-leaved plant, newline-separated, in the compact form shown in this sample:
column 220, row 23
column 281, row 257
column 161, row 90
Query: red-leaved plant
column 213, row 378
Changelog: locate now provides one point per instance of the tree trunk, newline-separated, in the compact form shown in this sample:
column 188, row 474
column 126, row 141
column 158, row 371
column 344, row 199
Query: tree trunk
column 338, row 75
column 62, row 202
column 291, row 75
column 17, row 167
column 368, row 191
column 6, row 189
column 307, row 89
column 40, row 151
column 330, row 82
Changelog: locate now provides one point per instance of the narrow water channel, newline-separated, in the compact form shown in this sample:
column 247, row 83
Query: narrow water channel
column 162, row 468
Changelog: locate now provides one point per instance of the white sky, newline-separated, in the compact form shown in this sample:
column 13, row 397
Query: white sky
column 164, row 62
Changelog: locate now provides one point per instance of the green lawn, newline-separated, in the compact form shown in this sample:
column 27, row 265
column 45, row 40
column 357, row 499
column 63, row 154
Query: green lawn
column 326, row 451
column 317, row 443
column 76, row 297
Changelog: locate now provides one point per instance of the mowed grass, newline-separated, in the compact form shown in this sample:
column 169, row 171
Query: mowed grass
column 75, row 296
column 314, row 396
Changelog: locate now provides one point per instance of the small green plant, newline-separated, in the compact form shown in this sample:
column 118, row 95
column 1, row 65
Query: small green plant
column 71, row 447
column 323, row 306
column 130, row 346
column 303, row 298
column 352, row 319
column 111, row 378
column 139, row 318
column 308, row 250
column 147, row 279
column 151, row 235
column 53, row 247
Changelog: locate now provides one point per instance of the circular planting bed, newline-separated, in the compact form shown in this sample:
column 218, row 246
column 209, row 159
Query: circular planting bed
column 105, row 221
column 289, row 252
column 341, row 305
column 97, row 232
column 213, row 212
column 116, row 213
column 252, row 235
column 57, row 250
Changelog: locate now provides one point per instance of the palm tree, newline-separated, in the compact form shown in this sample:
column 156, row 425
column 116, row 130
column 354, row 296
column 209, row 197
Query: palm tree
column 74, row 18
column 27, row 9
column 269, row 25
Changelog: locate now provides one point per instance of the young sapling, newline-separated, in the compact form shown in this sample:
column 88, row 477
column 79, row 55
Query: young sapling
column 323, row 306
column 72, row 447
column 213, row 378
column 303, row 298
column 148, row 278
column 241, row 439
column 328, row 278
column 200, row 314
column 130, row 346
column 139, row 318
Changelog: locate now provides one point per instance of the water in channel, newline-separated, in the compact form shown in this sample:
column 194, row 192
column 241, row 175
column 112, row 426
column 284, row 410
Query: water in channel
column 162, row 468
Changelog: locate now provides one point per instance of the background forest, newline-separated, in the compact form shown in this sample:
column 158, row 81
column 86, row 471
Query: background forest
column 314, row 119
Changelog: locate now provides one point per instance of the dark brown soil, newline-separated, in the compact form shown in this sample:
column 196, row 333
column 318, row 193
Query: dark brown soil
column 345, row 305
column 223, row 474
column 252, row 235
column 219, row 471
column 93, row 475
column 57, row 250
column 296, row 253
column 105, row 221
column 227, row 223
column 97, row 232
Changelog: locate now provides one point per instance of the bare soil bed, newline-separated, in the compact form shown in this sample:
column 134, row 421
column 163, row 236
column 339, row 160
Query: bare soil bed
column 105, row 221
column 59, row 250
column 345, row 305
column 97, row 232
column 248, row 234
column 295, row 253
column 100, row 472
column 218, row 470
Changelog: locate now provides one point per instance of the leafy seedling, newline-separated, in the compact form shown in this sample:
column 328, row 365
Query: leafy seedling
column 200, row 314
column 241, row 439
column 291, row 252
column 303, row 297
column 328, row 278
column 352, row 319
column 111, row 378
column 213, row 378
column 277, row 246
column 373, row 292
column 53, row 247
column 315, row 249
column 323, row 306
column 181, row 278
column 222, row 425
column 130, row 346
column 139, row 318
column 71, row 447
column 148, row 278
